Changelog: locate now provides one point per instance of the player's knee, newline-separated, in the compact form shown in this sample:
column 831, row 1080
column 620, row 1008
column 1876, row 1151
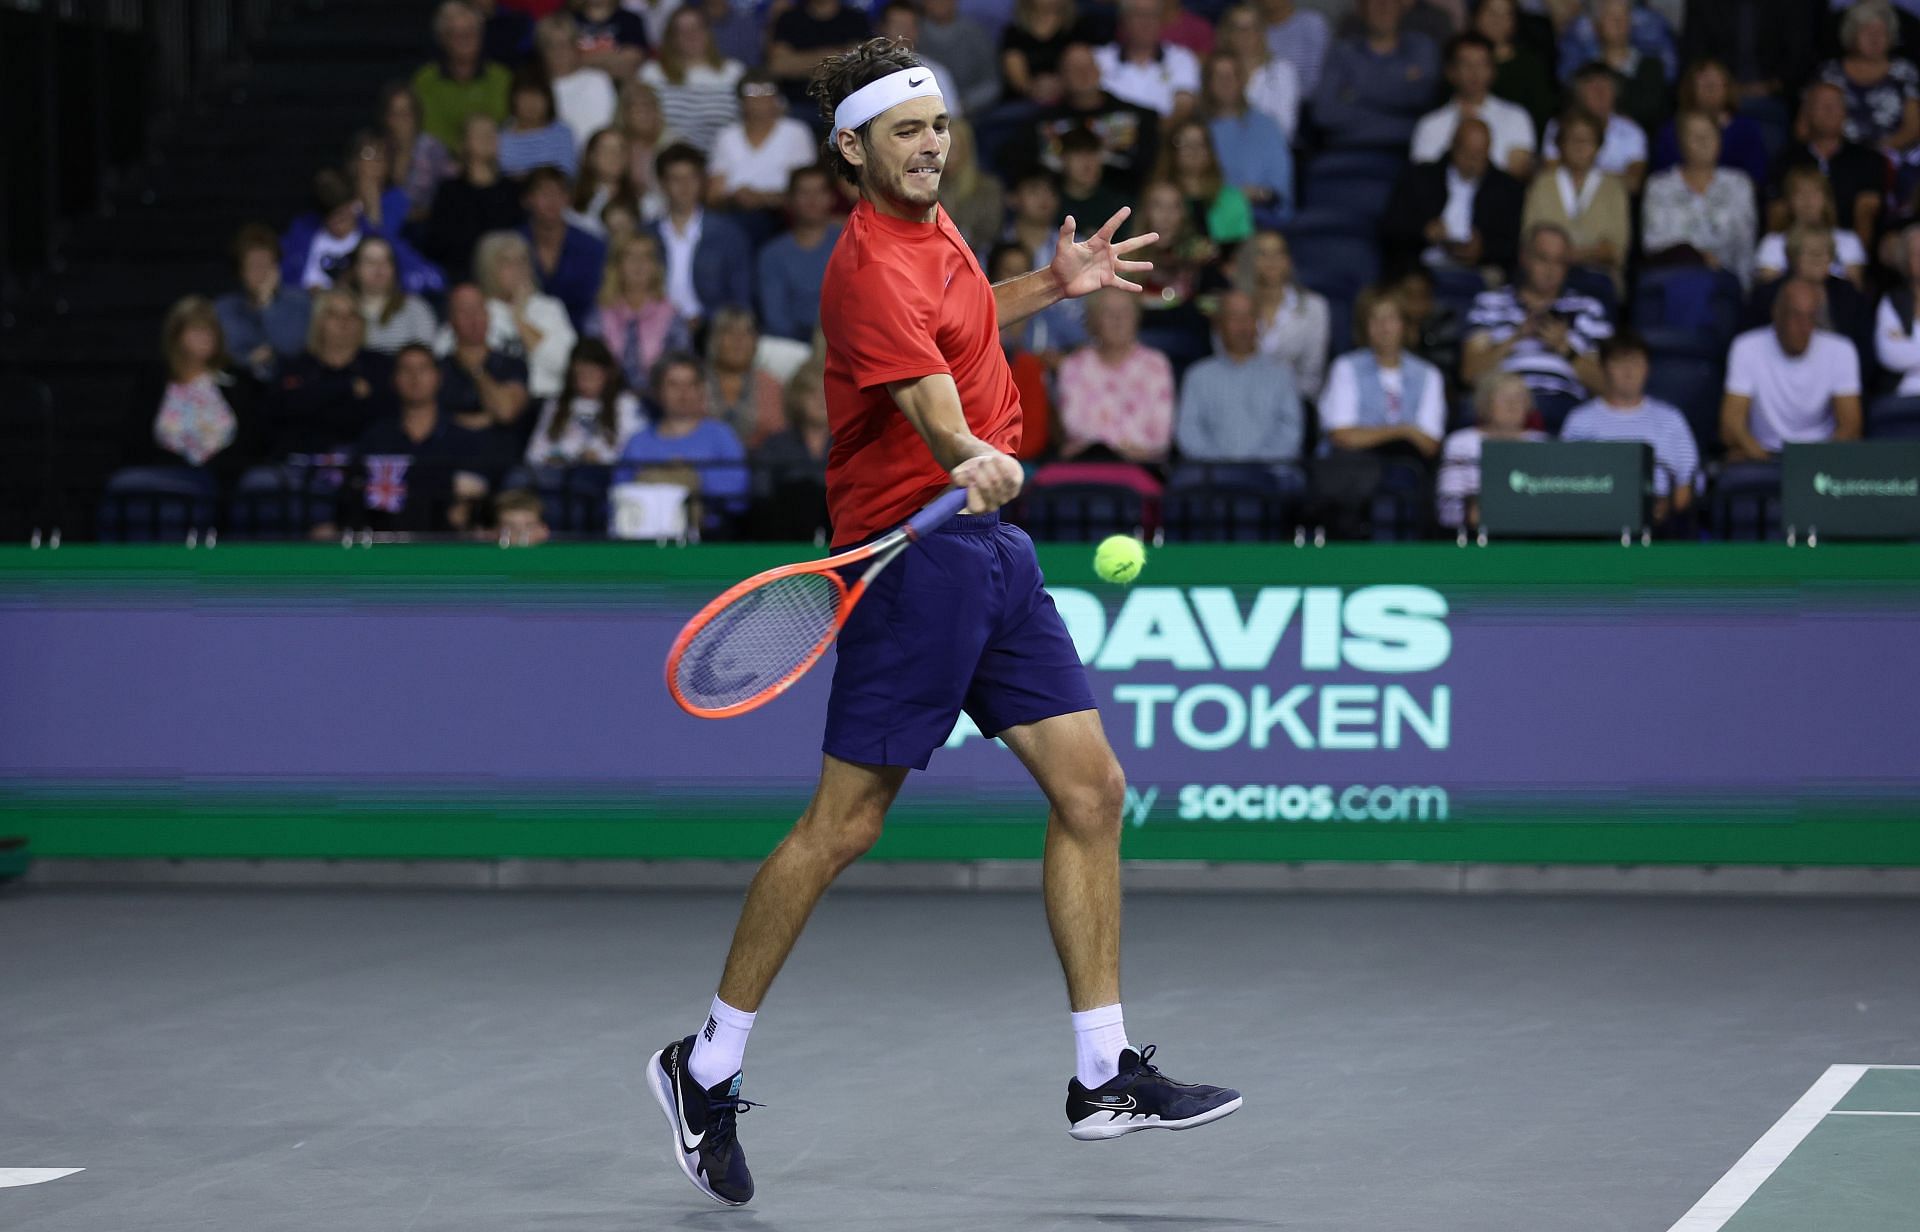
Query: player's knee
column 1091, row 809
column 847, row 835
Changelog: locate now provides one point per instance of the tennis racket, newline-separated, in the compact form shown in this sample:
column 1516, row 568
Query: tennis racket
column 752, row 642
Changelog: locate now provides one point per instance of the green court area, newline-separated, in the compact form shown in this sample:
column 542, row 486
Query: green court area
column 1845, row 1158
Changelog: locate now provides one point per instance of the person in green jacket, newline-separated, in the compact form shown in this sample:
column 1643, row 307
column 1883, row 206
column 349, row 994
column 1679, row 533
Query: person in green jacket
column 1218, row 208
column 461, row 82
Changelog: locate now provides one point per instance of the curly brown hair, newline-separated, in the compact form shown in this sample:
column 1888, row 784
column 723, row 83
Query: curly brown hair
column 838, row 76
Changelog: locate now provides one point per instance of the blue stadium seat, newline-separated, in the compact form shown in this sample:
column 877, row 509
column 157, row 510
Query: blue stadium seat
column 280, row 502
column 1349, row 195
column 1746, row 501
column 1693, row 384
column 1337, row 265
column 1688, row 299
column 1894, row 418
column 1359, row 164
column 1211, row 502
column 147, row 504
column 1081, row 512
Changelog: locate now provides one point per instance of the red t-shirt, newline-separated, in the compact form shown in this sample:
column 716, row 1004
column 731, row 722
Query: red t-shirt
column 904, row 300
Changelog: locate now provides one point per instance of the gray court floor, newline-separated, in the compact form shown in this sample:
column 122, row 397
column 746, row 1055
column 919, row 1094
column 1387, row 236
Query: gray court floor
column 247, row 1060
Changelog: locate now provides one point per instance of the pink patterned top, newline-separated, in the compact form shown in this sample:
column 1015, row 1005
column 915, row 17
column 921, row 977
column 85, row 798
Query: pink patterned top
column 1128, row 405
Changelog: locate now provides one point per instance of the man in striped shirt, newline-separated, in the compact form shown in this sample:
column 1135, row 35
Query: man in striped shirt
column 1623, row 412
column 1540, row 328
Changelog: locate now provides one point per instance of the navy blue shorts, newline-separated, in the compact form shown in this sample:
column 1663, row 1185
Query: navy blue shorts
column 959, row 621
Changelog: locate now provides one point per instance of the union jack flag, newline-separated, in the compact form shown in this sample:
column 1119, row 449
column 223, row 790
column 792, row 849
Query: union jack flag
column 387, row 481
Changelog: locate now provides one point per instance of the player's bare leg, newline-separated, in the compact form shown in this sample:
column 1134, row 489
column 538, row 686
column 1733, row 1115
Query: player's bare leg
column 1115, row 1090
column 840, row 824
column 696, row 1080
column 1070, row 759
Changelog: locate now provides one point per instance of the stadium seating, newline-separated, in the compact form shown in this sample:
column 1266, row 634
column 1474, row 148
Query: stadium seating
column 148, row 504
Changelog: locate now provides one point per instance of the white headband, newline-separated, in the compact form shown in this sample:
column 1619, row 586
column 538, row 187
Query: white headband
column 883, row 95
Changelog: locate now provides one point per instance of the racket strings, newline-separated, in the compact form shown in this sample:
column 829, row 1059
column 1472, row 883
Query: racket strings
column 759, row 640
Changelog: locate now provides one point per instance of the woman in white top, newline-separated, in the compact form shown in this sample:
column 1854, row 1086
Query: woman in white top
column 1273, row 84
column 1700, row 210
column 582, row 96
column 1501, row 405
column 394, row 318
column 753, row 157
column 1383, row 395
column 1808, row 197
column 520, row 321
column 1292, row 320
column 694, row 81
column 1896, row 333
column 589, row 422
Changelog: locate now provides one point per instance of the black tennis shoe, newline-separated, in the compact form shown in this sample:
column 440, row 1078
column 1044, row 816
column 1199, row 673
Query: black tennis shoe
column 1141, row 1097
column 702, row 1124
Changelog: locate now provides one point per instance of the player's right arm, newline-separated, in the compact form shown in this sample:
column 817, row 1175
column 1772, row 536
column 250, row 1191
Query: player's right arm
column 931, row 404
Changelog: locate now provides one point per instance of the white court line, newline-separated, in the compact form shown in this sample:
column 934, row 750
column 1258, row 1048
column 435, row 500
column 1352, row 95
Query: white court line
column 1712, row 1212
column 10, row 1177
column 1840, row 1112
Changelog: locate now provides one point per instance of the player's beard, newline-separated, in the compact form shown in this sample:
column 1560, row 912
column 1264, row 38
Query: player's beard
column 915, row 191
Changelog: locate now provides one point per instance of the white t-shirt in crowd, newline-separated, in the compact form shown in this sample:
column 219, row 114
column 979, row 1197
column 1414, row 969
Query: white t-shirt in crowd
column 1771, row 256
column 1792, row 394
column 1511, row 127
column 1624, row 145
column 1340, row 400
column 763, row 168
column 1152, row 85
column 585, row 102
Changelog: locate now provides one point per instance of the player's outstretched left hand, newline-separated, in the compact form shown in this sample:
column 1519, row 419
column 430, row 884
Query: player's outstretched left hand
column 1083, row 268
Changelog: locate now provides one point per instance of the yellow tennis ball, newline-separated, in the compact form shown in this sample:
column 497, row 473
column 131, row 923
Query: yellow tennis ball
column 1119, row 558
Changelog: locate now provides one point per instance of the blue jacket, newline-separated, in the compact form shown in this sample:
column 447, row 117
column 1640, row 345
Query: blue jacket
column 575, row 280
column 722, row 262
column 417, row 275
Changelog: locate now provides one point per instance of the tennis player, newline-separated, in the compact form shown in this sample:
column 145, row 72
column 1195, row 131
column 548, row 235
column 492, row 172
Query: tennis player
column 920, row 397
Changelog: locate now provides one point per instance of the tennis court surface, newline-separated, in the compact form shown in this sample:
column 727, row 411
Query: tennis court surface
column 329, row 1060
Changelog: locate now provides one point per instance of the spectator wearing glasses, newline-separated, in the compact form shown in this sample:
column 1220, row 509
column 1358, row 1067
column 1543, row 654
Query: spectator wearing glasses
column 461, row 82
column 755, row 156
column 1789, row 381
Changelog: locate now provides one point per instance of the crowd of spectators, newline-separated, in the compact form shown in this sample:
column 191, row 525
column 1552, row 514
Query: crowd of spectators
column 592, row 235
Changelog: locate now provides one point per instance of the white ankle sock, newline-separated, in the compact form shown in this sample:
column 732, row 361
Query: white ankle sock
column 1099, row 1037
column 718, row 1046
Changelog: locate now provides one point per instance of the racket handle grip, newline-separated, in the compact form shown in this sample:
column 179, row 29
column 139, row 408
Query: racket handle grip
column 933, row 516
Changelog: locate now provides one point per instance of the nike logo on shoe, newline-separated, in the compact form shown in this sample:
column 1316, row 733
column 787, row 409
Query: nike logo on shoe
column 1117, row 1103
column 690, row 1146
